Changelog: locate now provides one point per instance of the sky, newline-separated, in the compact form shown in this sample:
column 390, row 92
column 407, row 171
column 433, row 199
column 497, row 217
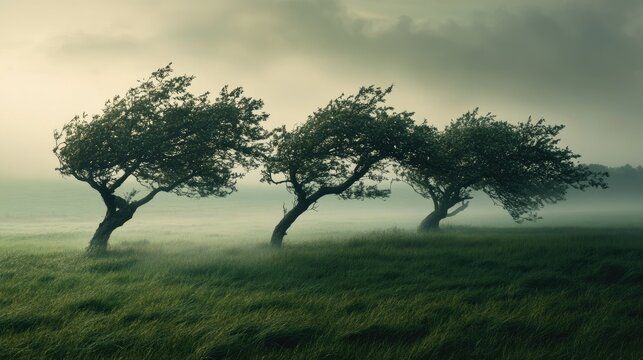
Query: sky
column 575, row 62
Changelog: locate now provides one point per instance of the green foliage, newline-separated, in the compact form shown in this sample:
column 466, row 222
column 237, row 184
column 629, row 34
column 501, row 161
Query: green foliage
column 165, row 138
column 521, row 167
column 627, row 180
column 461, row 293
column 341, row 149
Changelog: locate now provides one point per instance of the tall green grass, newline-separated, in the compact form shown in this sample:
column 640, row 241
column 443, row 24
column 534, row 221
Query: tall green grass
column 462, row 293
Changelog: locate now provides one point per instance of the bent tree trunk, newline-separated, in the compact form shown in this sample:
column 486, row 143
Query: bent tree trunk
column 113, row 220
column 432, row 221
column 289, row 218
column 304, row 200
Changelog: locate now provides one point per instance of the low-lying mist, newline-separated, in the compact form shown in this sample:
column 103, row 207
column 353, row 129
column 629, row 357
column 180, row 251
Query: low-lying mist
column 64, row 206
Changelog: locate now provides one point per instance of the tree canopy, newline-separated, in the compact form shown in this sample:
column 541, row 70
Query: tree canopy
column 520, row 167
column 165, row 138
column 342, row 149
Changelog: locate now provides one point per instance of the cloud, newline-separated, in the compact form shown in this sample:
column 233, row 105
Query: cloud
column 575, row 49
column 579, row 62
column 83, row 44
column 588, row 48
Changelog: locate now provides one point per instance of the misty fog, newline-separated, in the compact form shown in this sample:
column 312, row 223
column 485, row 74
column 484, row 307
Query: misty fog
column 66, row 206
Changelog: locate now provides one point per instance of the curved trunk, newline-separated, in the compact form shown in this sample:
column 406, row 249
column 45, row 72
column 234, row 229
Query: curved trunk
column 113, row 220
column 431, row 222
column 304, row 200
column 289, row 218
column 98, row 243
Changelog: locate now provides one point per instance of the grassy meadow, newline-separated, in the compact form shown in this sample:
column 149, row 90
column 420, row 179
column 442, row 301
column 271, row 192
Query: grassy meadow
column 195, row 279
column 463, row 293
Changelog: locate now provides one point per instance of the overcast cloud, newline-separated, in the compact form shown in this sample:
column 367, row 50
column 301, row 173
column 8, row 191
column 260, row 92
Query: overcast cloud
column 574, row 62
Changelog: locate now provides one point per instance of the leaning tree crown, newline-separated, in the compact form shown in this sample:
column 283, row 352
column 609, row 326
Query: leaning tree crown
column 520, row 167
column 342, row 149
column 164, row 138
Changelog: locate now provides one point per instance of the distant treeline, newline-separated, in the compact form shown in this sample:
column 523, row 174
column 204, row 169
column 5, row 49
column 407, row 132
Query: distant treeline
column 624, row 183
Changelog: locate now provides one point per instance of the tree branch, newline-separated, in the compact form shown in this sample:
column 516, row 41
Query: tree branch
column 144, row 200
column 297, row 186
column 464, row 205
column 122, row 179
column 276, row 182
column 358, row 172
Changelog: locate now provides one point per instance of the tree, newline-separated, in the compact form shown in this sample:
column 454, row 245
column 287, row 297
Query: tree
column 520, row 167
column 342, row 149
column 165, row 138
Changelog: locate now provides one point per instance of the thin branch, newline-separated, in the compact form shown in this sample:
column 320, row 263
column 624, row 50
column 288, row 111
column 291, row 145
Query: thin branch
column 358, row 172
column 144, row 200
column 461, row 208
column 122, row 179
column 276, row 182
column 297, row 186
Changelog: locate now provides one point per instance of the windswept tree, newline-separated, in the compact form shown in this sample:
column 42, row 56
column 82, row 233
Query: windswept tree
column 520, row 167
column 342, row 149
column 166, row 139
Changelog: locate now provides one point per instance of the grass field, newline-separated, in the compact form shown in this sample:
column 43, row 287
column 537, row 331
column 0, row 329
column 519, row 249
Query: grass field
column 463, row 293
